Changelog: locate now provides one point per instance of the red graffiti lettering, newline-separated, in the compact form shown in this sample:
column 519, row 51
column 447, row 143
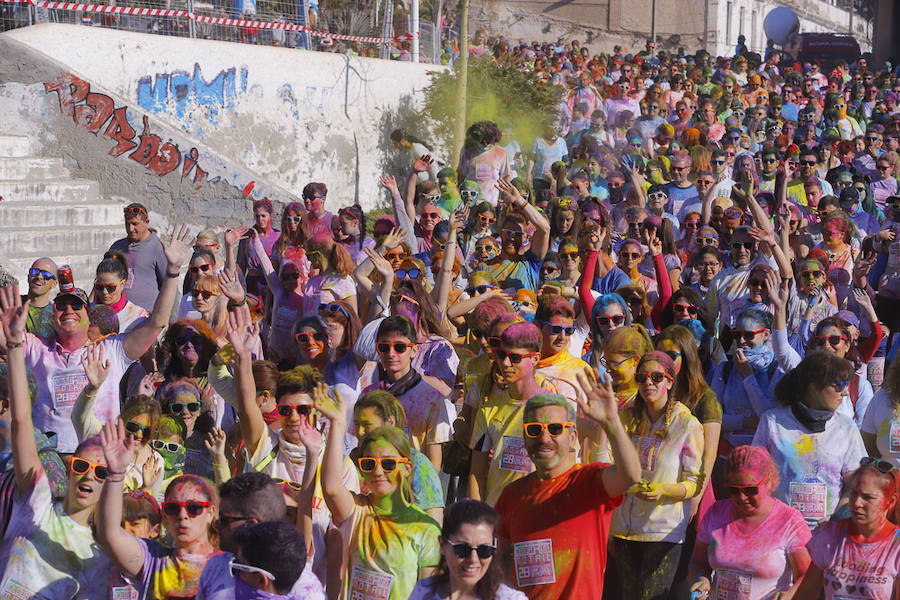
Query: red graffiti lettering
column 166, row 160
column 70, row 90
column 93, row 110
column 121, row 131
column 96, row 110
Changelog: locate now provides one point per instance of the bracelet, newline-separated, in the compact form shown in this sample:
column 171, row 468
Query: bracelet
column 172, row 275
column 10, row 344
column 243, row 302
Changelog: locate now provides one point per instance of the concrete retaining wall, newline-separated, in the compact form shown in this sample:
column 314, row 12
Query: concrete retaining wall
column 284, row 116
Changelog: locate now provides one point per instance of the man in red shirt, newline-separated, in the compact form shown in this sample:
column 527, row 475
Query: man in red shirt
column 555, row 521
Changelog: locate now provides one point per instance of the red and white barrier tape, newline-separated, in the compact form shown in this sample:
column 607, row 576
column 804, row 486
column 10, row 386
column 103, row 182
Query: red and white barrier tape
column 157, row 12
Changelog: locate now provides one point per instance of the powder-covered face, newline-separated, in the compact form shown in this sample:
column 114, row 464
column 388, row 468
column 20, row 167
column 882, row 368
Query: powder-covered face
column 379, row 482
column 868, row 501
column 745, row 502
column 183, row 527
column 547, row 451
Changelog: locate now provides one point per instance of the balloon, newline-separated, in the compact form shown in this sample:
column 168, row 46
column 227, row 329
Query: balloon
column 781, row 24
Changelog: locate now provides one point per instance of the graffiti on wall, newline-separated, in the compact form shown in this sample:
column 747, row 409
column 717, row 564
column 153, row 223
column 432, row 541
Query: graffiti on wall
column 180, row 89
column 98, row 114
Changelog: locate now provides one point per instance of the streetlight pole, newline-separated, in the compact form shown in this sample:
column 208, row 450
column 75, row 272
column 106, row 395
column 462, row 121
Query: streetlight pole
column 653, row 22
column 459, row 130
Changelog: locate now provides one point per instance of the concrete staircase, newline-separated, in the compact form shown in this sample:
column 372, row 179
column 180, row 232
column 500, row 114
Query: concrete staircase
column 46, row 212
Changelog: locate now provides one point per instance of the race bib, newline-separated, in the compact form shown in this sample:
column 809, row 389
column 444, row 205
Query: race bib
column 284, row 319
column 811, row 499
column 895, row 436
column 513, row 456
column 124, row 593
column 369, row 585
column 534, row 562
column 66, row 388
column 484, row 171
column 648, row 449
column 13, row 590
column 732, row 585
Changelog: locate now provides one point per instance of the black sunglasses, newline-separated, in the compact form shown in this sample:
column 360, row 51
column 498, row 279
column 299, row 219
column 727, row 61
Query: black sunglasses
column 286, row 410
column 60, row 305
column 558, row 329
column 134, row 428
column 464, row 550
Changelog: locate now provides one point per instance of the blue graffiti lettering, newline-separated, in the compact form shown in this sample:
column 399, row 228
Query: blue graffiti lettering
column 179, row 89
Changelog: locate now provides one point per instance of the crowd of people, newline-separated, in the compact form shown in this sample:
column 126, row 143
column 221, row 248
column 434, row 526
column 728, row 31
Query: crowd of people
column 648, row 354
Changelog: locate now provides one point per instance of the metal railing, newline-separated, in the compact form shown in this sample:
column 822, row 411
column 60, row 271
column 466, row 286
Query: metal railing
column 285, row 23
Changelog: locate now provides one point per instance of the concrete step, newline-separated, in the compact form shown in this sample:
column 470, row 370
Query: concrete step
column 52, row 241
column 60, row 190
column 15, row 145
column 27, row 215
column 84, row 266
column 31, row 167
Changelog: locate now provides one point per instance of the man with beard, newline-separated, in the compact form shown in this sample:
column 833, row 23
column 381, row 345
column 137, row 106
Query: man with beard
column 680, row 190
column 518, row 267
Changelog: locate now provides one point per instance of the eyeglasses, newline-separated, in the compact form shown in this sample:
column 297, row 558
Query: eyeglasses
column 568, row 255
column 464, row 550
column 429, row 198
column 198, row 268
column 655, row 377
column 305, row 338
column 747, row 336
column 109, row 288
column 808, row 163
column 134, row 428
column 834, row 340
column 882, row 167
column 169, row 446
column 396, row 255
column 555, row 429
column 80, row 466
column 286, row 410
column 293, row 220
column 707, row 241
column 73, row 303
column 295, row 485
column 558, row 329
column 685, row 309
column 183, row 340
column 769, row 160
column 399, row 347
column 479, row 289
column 487, row 220
column 705, row 181
column 550, row 270
column 513, row 233
column 408, row 273
column 744, row 245
column 719, row 161
column 882, row 466
column 431, row 215
column 293, row 275
column 205, row 294
column 747, row 490
column 334, row 309
column 194, row 508
column 606, row 321
column 657, row 196
column 134, row 211
column 368, row 464
column 812, row 274
column 176, row 408
column 233, row 566
column 631, row 255
column 47, row 275
column 514, row 357
column 839, row 386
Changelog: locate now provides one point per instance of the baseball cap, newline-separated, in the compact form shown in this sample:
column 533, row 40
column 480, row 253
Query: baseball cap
column 75, row 293
column 848, row 317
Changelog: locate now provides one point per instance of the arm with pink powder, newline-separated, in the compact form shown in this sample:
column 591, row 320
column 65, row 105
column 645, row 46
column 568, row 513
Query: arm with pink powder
column 662, row 278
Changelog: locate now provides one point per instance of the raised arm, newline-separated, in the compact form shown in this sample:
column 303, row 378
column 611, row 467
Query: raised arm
column 540, row 242
column 122, row 548
column 586, row 284
column 241, row 334
column 599, row 403
column 232, row 238
column 444, row 280
column 664, row 284
column 137, row 341
column 869, row 346
column 311, row 438
column 13, row 315
column 265, row 263
column 338, row 498
column 96, row 368
column 379, row 293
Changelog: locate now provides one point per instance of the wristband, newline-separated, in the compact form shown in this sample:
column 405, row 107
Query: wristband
column 172, row 275
column 243, row 302
column 10, row 344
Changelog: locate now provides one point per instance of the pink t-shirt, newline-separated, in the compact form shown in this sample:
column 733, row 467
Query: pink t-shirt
column 853, row 569
column 751, row 565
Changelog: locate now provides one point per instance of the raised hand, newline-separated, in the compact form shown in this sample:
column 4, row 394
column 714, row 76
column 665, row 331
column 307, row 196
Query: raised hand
column 423, row 163
column 149, row 383
column 310, row 437
column 215, row 445
column 151, row 469
column 390, row 184
column 458, row 218
column 393, row 239
column 333, row 410
column 13, row 315
column 865, row 302
column 509, row 191
column 231, row 286
column 773, row 285
column 96, row 367
column 178, row 249
column 241, row 333
column 599, row 402
column 380, row 263
column 118, row 447
column 762, row 235
column 652, row 241
column 233, row 236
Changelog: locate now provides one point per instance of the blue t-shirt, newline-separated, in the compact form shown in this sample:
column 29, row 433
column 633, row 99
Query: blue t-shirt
column 610, row 282
column 678, row 196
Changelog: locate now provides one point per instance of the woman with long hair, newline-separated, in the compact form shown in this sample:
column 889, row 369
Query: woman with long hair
column 350, row 231
column 291, row 243
column 468, row 567
column 189, row 511
column 565, row 223
column 109, row 290
column 208, row 300
column 386, row 534
column 333, row 268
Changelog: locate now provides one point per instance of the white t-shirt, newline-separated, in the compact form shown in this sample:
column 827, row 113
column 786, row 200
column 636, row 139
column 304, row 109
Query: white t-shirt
column 810, row 465
column 45, row 554
column 217, row 583
column 884, row 423
column 426, row 590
